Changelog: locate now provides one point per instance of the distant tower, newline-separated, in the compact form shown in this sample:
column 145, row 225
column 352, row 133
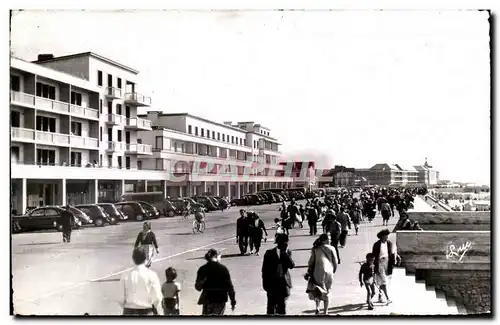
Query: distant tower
column 426, row 164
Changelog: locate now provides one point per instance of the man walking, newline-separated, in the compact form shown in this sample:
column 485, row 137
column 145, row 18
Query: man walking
column 67, row 221
column 276, row 279
column 256, row 231
column 242, row 234
column 345, row 223
column 312, row 220
column 141, row 289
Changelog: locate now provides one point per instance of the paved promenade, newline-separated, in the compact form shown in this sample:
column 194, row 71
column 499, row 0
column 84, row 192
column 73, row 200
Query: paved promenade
column 60, row 279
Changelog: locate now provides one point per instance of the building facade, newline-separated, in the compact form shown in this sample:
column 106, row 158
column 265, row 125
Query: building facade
column 213, row 158
column 76, row 137
column 427, row 174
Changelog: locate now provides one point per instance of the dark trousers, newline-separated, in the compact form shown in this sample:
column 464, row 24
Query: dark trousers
column 313, row 227
column 335, row 244
column 137, row 312
column 66, row 232
column 276, row 304
column 255, row 241
column 343, row 237
column 215, row 309
column 243, row 243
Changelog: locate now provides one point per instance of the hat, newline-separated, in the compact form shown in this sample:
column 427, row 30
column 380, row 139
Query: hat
column 242, row 211
column 382, row 233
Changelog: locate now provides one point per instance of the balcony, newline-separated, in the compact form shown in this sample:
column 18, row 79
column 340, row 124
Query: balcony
column 84, row 143
column 136, row 99
column 84, row 112
column 114, row 119
column 53, row 106
column 138, row 148
column 21, row 134
column 113, row 93
column 42, row 137
column 138, row 123
column 114, row 146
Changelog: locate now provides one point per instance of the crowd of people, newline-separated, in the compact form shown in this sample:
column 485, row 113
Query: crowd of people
column 337, row 214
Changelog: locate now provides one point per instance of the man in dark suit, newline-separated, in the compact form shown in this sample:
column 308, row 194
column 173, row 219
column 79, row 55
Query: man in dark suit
column 242, row 232
column 67, row 221
column 256, row 231
column 276, row 279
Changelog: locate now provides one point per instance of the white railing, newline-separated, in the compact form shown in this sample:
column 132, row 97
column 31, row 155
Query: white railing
column 116, row 119
column 138, row 98
column 19, row 97
column 83, row 142
column 139, row 123
column 53, row 138
column 84, row 111
column 22, row 134
column 115, row 146
column 90, row 112
column 51, row 105
column 143, row 149
column 77, row 110
column 113, row 92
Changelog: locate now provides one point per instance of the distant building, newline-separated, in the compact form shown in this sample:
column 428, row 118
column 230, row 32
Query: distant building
column 389, row 175
column 427, row 175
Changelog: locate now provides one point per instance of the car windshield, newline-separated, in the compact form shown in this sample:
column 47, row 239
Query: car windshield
column 109, row 209
column 147, row 206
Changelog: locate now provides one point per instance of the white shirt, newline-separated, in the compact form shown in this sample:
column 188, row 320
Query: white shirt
column 141, row 289
column 384, row 250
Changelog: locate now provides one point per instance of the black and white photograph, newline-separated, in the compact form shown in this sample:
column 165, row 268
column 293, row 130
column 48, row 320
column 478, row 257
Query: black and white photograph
column 250, row 162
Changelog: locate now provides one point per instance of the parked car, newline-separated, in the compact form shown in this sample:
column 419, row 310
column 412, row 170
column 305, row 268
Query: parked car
column 194, row 205
column 238, row 202
column 269, row 197
column 279, row 197
column 133, row 210
column 42, row 218
column 82, row 217
column 253, row 199
column 112, row 211
column 169, row 209
column 206, row 202
column 262, row 198
column 97, row 214
column 221, row 199
column 214, row 201
column 151, row 209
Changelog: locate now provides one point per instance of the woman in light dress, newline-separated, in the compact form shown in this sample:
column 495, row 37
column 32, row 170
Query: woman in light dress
column 147, row 239
column 386, row 258
column 322, row 266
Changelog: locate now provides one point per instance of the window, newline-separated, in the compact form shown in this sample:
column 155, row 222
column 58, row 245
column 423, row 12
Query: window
column 76, row 159
column 99, row 78
column 213, row 134
column 100, row 106
column 223, row 137
column 76, row 98
column 14, row 154
column 227, row 138
column 244, row 142
column 202, row 132
column 159, row 143
column 218, row 136
column 127, row 162
column 232, row 139
column 100, row 160
column 45, row 91
column 241, row 141
column 45, row 157
column 159, row 164
column 76, row 128
column 110, row 107
column 100, row 134
column 15, row 83
column 46, row 124
column 190, row 129
column 15, row 119
column 119, row 83
column 139, row 164
column 110, row 161
column 119, row 135
column 38, row 213
column 195, row 130
column 110, row 80
column 119, row 162
column 119, row 109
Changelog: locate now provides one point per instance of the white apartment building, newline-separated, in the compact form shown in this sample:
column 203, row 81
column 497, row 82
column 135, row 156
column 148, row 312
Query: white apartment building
column 76, row 137
column 216, row 158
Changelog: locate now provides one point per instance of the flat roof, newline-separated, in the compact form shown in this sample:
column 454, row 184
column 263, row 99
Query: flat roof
column 95, row 55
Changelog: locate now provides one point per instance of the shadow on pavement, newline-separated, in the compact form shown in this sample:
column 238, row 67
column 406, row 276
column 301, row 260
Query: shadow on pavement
column 224, row 256
column 304, row 235
column 106, row 280
column 36, row 244
column 340, row 309
column 301, row 249
column 181, row 234
column 300, row 267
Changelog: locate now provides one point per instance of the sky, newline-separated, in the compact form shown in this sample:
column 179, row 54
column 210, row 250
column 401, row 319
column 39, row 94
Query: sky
column 353, row 88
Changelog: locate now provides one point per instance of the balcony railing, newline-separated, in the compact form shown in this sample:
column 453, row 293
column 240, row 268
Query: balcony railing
column 114, row 146
column 138, row 123
column 114, row 119
column 51, row 105
column 113, row 92
column 137, row 99
column 22, row 134
column 142, row 149
column 82, row 142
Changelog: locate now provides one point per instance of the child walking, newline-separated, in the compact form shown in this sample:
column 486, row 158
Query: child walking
column 170, row 290
column 366, row 278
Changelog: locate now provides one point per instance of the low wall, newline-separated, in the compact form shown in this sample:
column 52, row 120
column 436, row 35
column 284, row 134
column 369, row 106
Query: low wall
column 456, row 262
column 453, row 221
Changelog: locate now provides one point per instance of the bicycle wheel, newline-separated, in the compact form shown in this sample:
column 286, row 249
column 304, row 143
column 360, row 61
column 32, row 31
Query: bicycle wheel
column 196, row 227
column 201, row 226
